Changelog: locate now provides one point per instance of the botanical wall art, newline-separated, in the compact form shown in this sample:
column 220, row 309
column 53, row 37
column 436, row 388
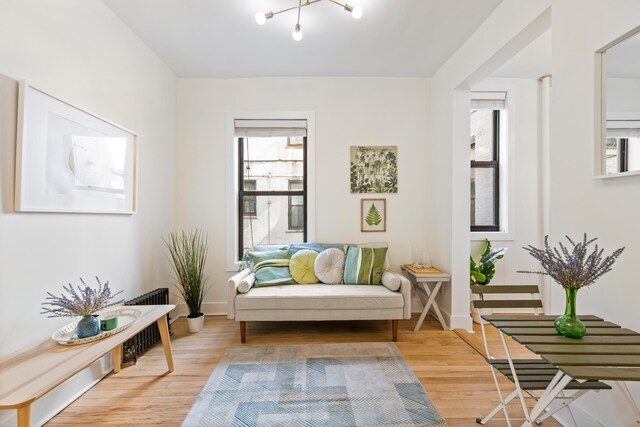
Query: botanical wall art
column 68, row 160
column 374, row 169
column 373, row 215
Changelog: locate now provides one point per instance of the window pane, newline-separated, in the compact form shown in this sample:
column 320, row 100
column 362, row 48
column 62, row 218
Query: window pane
column 482, row 196
column 273, row 161
column 270, row 224
column 249, row 202
column 482, row 135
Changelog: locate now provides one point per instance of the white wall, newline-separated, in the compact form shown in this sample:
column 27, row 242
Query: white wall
column 348, row 111
column 511, row 27
column 607, row 209
column 523, row 182
column 79, row 51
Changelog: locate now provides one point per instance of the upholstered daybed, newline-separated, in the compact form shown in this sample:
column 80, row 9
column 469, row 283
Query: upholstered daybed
column 390, row 300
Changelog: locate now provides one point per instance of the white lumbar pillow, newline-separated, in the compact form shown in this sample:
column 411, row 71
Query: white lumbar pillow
column 329, row 266
column 247, row 283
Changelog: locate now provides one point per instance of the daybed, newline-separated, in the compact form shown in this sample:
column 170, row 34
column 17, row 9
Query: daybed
column 319, row 301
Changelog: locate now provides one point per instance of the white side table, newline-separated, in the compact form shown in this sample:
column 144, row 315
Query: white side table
column 422, row 279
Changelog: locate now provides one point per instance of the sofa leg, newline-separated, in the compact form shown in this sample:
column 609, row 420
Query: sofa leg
column 394, row 329
column 243, row 331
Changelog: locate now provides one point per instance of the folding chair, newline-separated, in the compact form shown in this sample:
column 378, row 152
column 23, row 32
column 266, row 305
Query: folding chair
column 528, row 375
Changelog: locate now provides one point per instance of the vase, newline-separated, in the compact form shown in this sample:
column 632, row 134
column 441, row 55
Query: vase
column 88, row 326
column 195, row 324
column 568, row 324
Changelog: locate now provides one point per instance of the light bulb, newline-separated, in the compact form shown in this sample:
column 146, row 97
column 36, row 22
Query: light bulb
column 297, row 33
column 261, row 18
column 356, row 12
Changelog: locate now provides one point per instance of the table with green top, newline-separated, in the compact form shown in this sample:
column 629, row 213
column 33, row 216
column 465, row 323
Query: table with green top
column 607, row 352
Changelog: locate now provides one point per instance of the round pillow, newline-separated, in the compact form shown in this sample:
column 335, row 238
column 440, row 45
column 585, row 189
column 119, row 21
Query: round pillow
column 301, row 266
column 329, row 266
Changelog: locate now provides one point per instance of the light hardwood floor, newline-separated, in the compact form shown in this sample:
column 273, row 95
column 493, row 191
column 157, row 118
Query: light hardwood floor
column 453, row 373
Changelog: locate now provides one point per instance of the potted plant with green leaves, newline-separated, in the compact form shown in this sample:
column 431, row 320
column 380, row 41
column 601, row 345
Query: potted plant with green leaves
column 188, row 256
column 482, row 271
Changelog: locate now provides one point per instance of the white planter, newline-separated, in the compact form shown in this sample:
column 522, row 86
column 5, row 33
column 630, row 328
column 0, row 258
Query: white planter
column 477, row 312
column 195, row 324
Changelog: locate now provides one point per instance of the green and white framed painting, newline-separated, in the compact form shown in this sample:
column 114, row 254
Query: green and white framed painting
column 374, row 169
column 373, row 215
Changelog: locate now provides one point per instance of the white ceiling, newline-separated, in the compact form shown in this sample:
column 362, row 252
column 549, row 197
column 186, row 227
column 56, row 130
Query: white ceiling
column 220, row 38
column 532, row 62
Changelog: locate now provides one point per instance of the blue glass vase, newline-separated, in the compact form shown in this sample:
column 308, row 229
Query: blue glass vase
column 88, row 326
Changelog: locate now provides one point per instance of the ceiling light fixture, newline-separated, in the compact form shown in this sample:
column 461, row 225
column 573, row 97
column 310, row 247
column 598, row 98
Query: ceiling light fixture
column 262, row 17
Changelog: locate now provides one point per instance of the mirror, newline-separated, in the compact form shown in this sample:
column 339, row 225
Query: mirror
column 618, row 130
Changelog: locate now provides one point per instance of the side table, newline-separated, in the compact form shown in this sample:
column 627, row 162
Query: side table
column 422, row 279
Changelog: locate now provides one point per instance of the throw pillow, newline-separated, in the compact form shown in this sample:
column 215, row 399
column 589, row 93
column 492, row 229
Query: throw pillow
column 272, row 272
column 329, row 266
column 363, row 266
column 391, row 281
column 379, row 245
column 301, row 266
column 247, row 283
column 255, row 257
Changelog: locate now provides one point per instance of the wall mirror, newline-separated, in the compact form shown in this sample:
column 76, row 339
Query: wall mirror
column 618, row 107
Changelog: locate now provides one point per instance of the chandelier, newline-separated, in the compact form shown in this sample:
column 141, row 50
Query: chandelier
column 261, row 17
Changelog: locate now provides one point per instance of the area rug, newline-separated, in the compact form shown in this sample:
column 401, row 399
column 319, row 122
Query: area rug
column 364, row 384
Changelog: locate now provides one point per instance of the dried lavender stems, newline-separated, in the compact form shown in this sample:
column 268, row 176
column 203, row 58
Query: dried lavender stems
column 83, row 302
column 573, row 269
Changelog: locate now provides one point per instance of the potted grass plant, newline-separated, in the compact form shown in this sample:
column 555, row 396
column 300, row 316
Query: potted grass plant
column 188, row 256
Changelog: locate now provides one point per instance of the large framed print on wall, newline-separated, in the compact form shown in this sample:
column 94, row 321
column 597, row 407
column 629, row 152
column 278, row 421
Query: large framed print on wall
column 69, row 160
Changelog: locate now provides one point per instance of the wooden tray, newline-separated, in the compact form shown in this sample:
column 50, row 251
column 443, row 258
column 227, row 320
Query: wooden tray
column 431, row 270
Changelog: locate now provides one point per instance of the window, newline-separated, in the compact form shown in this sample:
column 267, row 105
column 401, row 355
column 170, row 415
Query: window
column 249, row 201
column 485, row 169
column 296, row 206
column 272, row 182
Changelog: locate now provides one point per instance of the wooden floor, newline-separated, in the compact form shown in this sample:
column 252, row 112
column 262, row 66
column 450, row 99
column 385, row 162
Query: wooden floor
column 452, row 371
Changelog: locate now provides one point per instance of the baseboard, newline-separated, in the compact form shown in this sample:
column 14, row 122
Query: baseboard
column 217, row 308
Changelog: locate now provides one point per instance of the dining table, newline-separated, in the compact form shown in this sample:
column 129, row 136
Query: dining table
column 608, row 352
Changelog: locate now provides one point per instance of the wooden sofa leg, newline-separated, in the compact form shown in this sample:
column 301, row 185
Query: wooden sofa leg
column 394, row 329
column 243, row 331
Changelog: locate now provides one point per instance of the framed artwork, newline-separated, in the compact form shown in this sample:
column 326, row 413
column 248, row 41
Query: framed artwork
column 373, row 215
column 69, row 160
column 374, row 169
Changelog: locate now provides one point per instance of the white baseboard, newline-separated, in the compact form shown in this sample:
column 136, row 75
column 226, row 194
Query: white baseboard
column 216, row 308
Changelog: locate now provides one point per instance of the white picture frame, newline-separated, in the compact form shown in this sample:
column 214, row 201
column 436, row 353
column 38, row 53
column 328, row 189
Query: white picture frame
column 70, row 160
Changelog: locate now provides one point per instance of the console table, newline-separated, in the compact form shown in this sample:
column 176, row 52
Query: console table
column 28, row 376
column 422, row 279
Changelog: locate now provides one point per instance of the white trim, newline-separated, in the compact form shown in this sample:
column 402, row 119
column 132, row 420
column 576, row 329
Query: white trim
column 231, row 155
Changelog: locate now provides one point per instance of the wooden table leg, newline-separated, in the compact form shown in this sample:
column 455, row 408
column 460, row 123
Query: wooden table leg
column 163, row 327
column 427, row 305
column 24, row 416
column 434, row 305
column 117, row 358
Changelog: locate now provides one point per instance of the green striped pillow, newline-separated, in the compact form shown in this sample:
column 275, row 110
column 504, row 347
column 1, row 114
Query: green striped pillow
column 273, row 272
column 363, row 266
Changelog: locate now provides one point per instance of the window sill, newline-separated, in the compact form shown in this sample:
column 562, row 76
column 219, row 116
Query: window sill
column 503, row 236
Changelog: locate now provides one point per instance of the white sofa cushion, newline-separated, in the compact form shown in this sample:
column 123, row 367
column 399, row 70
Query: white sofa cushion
column 319, row 297
column 246, row 283
column 391, row 281
column 329, row 266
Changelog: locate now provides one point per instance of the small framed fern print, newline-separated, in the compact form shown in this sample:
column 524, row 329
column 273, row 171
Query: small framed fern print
column 373, row 215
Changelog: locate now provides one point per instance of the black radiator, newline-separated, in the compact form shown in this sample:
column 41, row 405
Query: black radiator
column 150, row 335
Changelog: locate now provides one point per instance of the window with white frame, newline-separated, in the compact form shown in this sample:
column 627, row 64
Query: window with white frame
column 272, row 182
column 488, row 121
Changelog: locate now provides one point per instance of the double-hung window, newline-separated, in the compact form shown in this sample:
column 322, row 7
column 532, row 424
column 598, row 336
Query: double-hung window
column 272, row 182
column 487, row 121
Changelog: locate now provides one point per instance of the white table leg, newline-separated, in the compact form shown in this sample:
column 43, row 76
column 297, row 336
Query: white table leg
column 622, row 387
column 427, row 305
column 558, row 384
column 436, row 309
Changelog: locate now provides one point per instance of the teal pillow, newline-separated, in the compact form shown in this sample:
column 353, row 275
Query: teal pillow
column 363, row 266
column 273, row 272
column 255, row 257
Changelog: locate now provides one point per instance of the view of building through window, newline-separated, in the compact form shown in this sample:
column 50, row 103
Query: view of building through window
column 485, row 132
column 272, row 197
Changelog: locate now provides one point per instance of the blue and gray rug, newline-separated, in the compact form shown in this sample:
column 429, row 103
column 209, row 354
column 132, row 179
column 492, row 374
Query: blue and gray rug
column 364, row 384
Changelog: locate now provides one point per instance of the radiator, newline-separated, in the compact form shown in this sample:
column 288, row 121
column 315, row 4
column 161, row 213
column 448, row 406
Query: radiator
column 146, row 338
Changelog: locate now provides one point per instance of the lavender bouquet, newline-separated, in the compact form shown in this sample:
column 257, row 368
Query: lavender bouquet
column 573, row 269
column 80, row 302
